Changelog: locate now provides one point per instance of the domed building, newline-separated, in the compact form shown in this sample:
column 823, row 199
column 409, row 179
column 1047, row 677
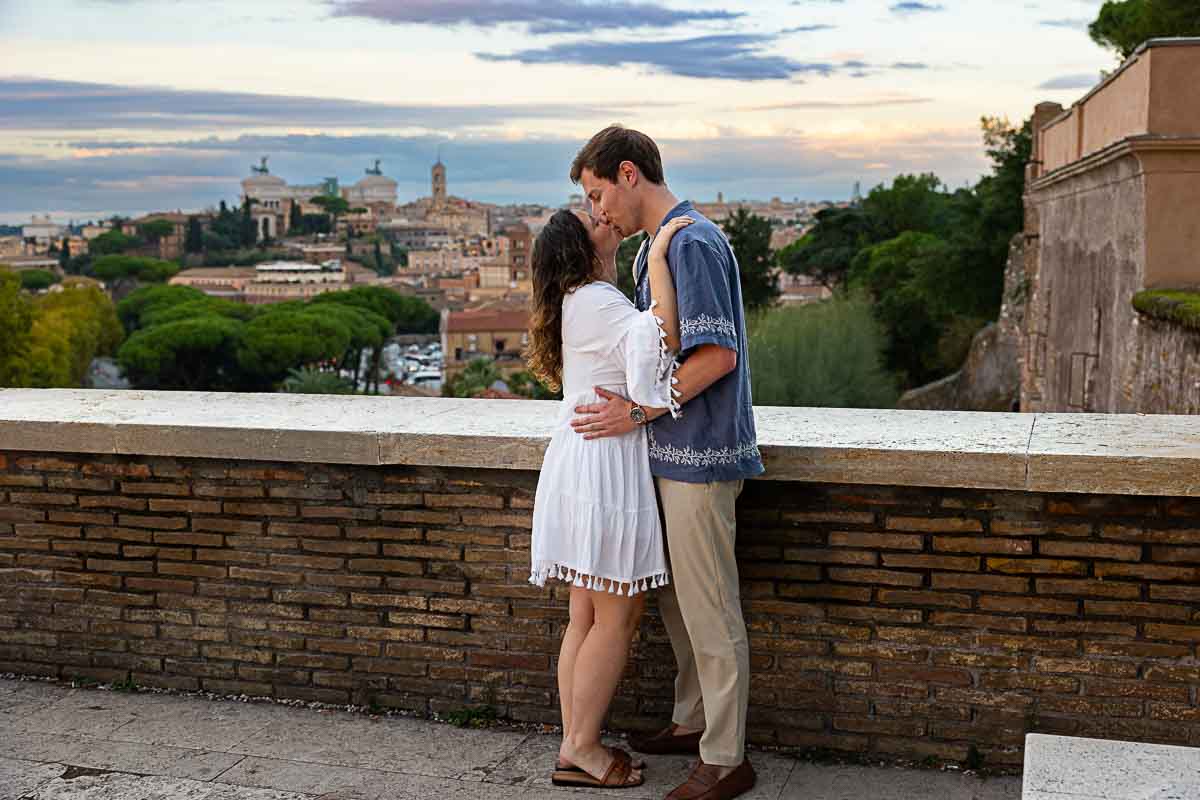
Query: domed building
column 375, row 189
column 272, row 201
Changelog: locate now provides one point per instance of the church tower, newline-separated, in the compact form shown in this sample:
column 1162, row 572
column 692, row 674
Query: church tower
column 439, row 184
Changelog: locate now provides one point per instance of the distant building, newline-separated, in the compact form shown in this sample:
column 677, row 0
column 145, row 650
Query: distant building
column 42, row 231
column 21, row 263
column 799, row 289
column 170, row 246
column 274, row 282
column 223, row 282
column 273, row 199
column 415, row 235
column 500, row 333
column 319, row 252
column 459, row 217
column 450, row 260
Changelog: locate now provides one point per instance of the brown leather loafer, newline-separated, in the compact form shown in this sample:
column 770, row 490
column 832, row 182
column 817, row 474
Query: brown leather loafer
column 703, row 783
column 665, row 742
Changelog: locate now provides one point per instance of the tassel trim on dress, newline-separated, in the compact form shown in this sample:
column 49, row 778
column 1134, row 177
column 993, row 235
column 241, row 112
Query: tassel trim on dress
column 544, row 570
column 667, row 364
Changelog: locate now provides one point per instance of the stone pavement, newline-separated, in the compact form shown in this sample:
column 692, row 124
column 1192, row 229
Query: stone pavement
column 59, row 743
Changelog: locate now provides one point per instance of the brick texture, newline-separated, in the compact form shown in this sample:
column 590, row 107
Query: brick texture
column 895, row 621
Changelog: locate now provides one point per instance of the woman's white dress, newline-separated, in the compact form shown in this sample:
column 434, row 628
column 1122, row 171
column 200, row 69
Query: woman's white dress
column 595, row 514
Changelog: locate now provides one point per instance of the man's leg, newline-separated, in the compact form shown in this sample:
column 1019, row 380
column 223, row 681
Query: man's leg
column 701, row 531
column 688, row 713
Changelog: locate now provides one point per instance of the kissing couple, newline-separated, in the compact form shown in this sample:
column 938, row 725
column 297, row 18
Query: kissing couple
column 656, row 431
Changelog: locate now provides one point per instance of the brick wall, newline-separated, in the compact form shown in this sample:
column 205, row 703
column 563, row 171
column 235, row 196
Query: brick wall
column 889, row 620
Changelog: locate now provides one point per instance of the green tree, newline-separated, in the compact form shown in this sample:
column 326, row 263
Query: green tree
column 295, row 220
column 146, row 300
column 476, row 377
column 827, row 354
column 283, row 338
column 750, row 237
column 912, row 203
column 125, row 271
column 307, row 380
column 526, row 385
column 64, row 255
column 218, row 306
column 626, row 254
column 198, row 353
column 335, row 207
column 826, row 252
column 193, row 242
column 248, row 229
column 906, row 277
column 112, row 242
column 1122, row 25
column 156, row 230
column 70, row 328
column 16, row 323
column 33, row 280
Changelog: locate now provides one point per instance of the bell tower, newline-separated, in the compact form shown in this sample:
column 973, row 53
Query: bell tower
column 439, row 184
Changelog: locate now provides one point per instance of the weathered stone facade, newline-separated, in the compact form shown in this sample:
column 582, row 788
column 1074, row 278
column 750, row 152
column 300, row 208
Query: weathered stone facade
column 1111, row 208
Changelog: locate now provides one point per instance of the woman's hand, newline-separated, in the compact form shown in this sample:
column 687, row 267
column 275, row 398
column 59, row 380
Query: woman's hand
column 666, row 233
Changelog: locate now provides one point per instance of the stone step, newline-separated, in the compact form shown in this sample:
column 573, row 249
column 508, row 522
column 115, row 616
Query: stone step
column 1072, row 768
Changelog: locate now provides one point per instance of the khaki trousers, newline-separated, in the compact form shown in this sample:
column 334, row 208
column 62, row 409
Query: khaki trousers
column 702, row 610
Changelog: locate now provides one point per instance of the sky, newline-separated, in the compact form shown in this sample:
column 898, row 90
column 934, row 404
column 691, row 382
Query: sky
column 130, row 106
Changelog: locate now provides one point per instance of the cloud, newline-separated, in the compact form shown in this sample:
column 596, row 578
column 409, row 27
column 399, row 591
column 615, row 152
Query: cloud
column 806, row 29
column 915, row 8
column 804, row 105
column 540, row 16
column 134, row 177
column 729, row 56
column 34, row 103
column 1075, row 24
column 1084, row 81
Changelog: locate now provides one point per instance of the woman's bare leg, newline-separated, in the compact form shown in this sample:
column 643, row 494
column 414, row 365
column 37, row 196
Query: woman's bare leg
column 598, row 668
column 582, row 617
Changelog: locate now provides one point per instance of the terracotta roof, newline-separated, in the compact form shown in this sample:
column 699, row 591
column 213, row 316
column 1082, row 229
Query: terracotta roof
column 487, row 320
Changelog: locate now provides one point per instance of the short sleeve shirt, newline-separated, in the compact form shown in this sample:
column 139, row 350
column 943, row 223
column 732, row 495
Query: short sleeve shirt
column 714, row 439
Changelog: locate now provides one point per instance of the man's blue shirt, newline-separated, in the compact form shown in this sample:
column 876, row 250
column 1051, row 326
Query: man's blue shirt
column 714, row 439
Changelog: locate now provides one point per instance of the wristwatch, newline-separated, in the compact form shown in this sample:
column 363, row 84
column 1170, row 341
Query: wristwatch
column 637, row 415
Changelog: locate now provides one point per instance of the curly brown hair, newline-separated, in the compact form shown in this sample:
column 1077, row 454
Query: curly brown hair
column 564, row 259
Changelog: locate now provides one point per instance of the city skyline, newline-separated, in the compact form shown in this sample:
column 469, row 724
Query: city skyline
column 791, row 98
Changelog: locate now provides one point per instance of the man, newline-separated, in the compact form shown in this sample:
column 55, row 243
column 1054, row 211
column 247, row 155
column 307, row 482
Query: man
column 699, row 460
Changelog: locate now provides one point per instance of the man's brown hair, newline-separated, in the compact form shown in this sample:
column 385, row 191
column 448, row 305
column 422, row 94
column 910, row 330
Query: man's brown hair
column 608, row 148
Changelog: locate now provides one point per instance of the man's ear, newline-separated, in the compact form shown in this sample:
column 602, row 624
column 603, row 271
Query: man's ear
column 629, row 171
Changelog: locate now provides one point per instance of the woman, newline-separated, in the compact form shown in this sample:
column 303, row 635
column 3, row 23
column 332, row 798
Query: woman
column 595, row 519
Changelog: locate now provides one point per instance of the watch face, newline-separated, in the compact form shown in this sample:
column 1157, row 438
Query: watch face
column 638, row 415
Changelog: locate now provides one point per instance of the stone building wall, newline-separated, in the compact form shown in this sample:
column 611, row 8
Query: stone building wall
column 891, row 620
column 1112, row 193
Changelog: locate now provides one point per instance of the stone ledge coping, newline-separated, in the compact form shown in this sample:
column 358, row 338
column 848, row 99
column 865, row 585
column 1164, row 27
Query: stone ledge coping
column 1087, row 453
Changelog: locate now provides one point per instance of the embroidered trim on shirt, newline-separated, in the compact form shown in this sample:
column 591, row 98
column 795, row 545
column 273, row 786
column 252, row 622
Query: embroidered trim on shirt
column 667, row 364
column 706, row 324
column 708, row 457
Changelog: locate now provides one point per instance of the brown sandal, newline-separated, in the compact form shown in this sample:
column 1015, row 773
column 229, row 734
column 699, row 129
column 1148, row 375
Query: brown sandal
column 619, row 774
column 559, row 766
